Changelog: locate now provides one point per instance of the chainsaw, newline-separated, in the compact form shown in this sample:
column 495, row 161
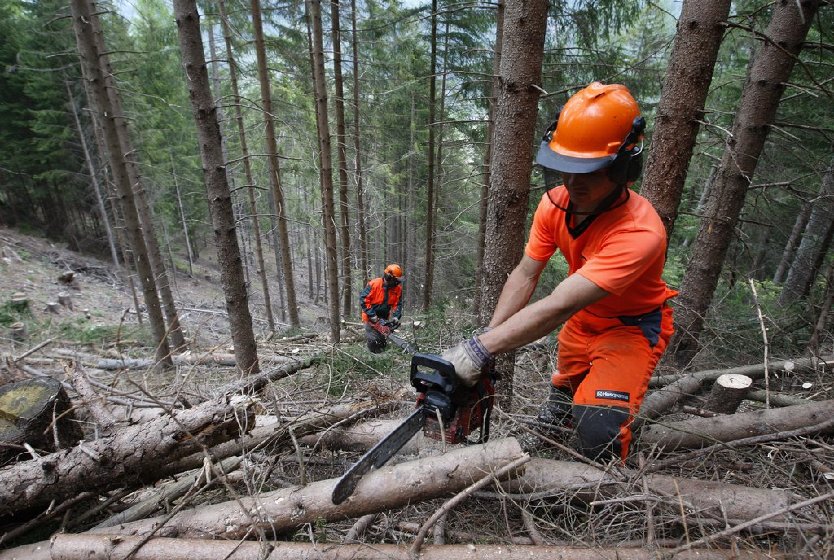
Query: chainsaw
column 446, row 410
column 384, row 328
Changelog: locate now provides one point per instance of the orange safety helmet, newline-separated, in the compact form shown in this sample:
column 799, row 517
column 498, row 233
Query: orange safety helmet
column 599, row 126
column 394, row 270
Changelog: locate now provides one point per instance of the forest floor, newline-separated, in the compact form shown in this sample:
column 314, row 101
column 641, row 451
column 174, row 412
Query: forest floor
column 100, row 325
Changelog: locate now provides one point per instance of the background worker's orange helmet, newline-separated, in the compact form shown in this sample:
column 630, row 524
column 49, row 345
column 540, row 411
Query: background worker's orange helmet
column 394, row 270
column 596, row 125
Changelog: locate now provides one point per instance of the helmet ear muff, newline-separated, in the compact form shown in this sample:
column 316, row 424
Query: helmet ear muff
column 628, row 164
column 548, row 134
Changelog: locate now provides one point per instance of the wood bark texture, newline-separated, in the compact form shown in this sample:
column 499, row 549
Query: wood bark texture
column 247, row 165
column 328, row 215
column 769, row 73
column 379, row 490
column 97, row 547
column 812, row 246
column 285, row 260
column 701, row 27
column 131, row 457
column 700, row 432
column 522, row 52
column 589, row 483
column 143, row 206
column 658, row 402
column 217, row 186
column 82, row 16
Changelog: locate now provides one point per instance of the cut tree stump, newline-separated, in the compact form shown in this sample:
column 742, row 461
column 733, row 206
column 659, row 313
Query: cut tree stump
column 700, row 432
column 27, row 411
column 19, row 302
column 65, row 300
column 51, row 307
column 658, row 402
column 128, row 458
column 727, row 393
column 289, row 508
column 18, row 331
column 66, row 277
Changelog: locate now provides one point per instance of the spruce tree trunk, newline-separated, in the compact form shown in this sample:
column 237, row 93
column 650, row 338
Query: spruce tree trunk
column 515, row 123
column 247, row 166
column 143, row 207
column 789, row 252
column 341, row 137
column 105, row 220
column 483, row 204
column 357, row 143
column 813, row 245
column 274, row 168
column 326, row 167
column 183, row 220
column 430, row 209
column 82, row 17
column 700, row 29
column 768, row 75
column 217, row 186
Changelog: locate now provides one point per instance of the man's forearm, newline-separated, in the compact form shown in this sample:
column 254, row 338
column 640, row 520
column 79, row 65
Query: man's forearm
column 514, row 296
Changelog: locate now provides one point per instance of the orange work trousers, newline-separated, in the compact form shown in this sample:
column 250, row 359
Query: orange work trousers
column 606, row 363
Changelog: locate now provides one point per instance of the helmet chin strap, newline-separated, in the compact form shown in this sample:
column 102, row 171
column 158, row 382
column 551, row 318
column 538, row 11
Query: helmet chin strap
column 608, row 203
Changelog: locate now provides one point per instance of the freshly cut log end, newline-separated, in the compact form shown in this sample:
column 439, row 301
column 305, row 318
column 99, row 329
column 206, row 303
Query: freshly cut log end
column 727, row 393
column 27, row 409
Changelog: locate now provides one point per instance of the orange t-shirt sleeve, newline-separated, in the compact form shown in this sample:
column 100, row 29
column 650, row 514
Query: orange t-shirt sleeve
column 622, row 259
column 542, row 241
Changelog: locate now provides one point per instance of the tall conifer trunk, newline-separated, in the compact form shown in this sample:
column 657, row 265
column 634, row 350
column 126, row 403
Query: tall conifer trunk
column 326, row 159
column 357, row 144
column 515, row 123
column 247, row 166
column 138, row 187
column 217, row 185
column 82, row 17
column 768, row 75
column 274, row 168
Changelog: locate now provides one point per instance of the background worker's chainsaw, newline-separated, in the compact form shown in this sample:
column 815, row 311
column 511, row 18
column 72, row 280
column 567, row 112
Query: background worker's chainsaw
column 446, row 410
column 386, row 329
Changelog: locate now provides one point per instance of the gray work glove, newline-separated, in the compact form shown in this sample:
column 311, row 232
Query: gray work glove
column 471, row 360
column 373, row 318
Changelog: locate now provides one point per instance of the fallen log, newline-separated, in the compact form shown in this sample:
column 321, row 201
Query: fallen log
column 92, row 547
column 658, row 402
column 699, row 432
column 279, row 434
column 361, row 437
column 775, row 399
column 756, row 371
column 187, row 359
column 282, row 510
column 132, row 456
column 546, row 477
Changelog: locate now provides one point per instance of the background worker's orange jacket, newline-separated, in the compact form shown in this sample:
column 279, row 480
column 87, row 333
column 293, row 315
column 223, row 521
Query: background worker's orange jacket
column 374, row 302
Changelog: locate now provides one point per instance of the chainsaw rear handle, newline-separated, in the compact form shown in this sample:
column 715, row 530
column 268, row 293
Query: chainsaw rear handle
column 436, row 385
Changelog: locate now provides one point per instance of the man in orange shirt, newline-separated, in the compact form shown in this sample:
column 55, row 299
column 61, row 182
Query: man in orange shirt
column 613, row 302
column 381, row 308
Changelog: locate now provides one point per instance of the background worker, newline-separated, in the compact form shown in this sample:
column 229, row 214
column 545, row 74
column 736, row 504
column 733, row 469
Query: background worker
column 613, row 301
column 380, row 301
